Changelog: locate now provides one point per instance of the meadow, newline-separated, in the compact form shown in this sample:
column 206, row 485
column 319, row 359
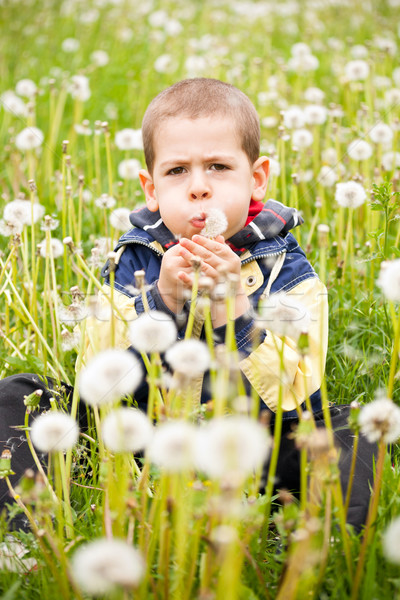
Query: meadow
column 109, row 519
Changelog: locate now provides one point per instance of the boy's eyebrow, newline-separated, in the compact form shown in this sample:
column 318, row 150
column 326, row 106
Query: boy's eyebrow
column 182, row 160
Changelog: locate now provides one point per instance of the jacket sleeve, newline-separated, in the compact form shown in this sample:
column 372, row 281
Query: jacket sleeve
column 300, row 376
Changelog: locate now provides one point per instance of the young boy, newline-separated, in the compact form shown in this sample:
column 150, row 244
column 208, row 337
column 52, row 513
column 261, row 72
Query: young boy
column 201, row 141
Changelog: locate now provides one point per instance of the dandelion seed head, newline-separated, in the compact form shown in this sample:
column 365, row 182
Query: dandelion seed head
column 69, row 339
column 389, row 279
column 13, row 104
column 350, row 194
column 391, row 541
column 55, row 250
column 70, row 45
column 327, row 176
column 11, row 228
column 105, row 201
column 26, row 88
column 104, row 564
column 329, row 156
column 129, row 139
column 54, row 432
column 293, row 117
column 284, row 315
column 100, row 58
column 72, row 314
column 274, row 168
column 381, row 134
column 127, row 430
column 314, row 95
column 153, row 331
column 380, row 420
column 391, row 161
column 79, row 88
column 129, row 168
column 189, row 358
column 49, row 223
column 216, row 223
column 303, row 64
column 109, row 376
column 359, row 51
column 356, row 70
column 21, row 210
column 119, row 219
column 173, row 445
column 231, row 448
column 302, row 138
column 165, row 63
column 315, row 114
column 359, row 150
column 29, row 139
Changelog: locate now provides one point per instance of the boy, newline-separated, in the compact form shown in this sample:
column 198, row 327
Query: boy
column 201, row 141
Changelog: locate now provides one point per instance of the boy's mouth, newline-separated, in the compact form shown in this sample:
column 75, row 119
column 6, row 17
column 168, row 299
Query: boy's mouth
column 198, row 221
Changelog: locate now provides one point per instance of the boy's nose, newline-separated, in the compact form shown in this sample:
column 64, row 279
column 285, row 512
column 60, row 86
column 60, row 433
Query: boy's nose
column 199, row 188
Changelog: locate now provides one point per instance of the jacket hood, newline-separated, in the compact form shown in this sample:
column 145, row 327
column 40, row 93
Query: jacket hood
column 273, row 220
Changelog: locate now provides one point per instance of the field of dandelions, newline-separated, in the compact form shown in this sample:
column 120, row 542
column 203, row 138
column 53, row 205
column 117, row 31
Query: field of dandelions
column 132, row 509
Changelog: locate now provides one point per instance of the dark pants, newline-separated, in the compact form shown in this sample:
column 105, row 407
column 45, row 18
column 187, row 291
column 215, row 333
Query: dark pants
column 12, row 413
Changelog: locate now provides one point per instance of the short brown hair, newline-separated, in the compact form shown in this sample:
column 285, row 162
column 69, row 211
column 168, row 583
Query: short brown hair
column 200, row 97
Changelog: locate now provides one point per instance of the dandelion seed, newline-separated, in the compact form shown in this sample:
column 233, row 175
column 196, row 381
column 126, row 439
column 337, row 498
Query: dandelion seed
column 359, row 150
column 314, row 95
column 127, row 430
column 350, row 194
column 129, row 168
column 329, row 156
column 315, row 114
column 29, row 138
column 302, row 138
column 79, row 88
column 216, row 223
column 173, row 27
column 380, row 420
column 49, row 224
column 21, row 210
column 389, row 279
column 356, row 70
column 392, row 98
column 72, row 314
column 154, row 331
column 104, row 564
column 119, row 219
column 129, row 139
column 11, row 228
column 54, row 432
column 105, row 201
column 284, row 315
column 82, row 129
column 300, row 49
column 109, row 376
column 327, row 176
column 173, row 446
column 70, row 45
column 359, row 51
column 158, row 18
column 13, row 104
column 87, row 196
column 56, row 248
column 189, row 358
column 381, row 134
column 303, row 64
column 195, row 66
column 293, row 117
column 69, row 339
column 391, row 541
column 231, row 448
column 391, row 160
column 165, row 63
column 100, row 58
column 26, row 87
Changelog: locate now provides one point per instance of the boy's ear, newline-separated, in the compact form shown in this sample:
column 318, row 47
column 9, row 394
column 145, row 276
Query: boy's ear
column 260, row 177
column 146, row 181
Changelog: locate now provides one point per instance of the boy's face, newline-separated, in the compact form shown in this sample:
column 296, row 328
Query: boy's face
column 200, row 164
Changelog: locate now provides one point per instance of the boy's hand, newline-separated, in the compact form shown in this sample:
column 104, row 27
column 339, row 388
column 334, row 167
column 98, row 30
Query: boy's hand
column 216, row 256
column 174, row 278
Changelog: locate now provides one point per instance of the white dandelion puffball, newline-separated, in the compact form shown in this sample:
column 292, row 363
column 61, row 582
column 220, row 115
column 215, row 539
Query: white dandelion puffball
column 380, row 420
column 356, row 70
column 109, row 376
column 359, row 51
column 302, row 138
column 165, row 63
column 54, row 432
column 283, row 315
column 79, row 88
column 190, row 358
column 153, row 331
column 105, row 201
column 55, row 250
column 13, row 104
column 314, row 95
column 129, row 139
column 391, row 542
column 231, row 447
column 100, row 58
column 26, row 87
column 29, row 138
column 173, row 446
column 216, row 223
column 303, row 64
column 350, row 194
column 274, row 168
column 8, row 228
column 70, row 45
column 119, row 219
column 327, row 176
column 315, row 114
column 101, row 565
column 126, row 430
column 389, row 279
column 293, row 117
column 391, row 161
column 21, row 210
column 381, row 133
column 359, row 150
column 129, row 168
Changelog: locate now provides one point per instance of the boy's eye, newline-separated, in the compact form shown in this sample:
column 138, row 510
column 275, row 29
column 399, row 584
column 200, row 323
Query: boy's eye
column 218, row 167
column 176, row 171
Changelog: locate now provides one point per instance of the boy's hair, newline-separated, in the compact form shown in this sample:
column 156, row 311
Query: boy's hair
column 202, row 97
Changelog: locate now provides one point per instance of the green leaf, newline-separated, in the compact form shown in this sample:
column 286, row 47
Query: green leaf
column 11, row 593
